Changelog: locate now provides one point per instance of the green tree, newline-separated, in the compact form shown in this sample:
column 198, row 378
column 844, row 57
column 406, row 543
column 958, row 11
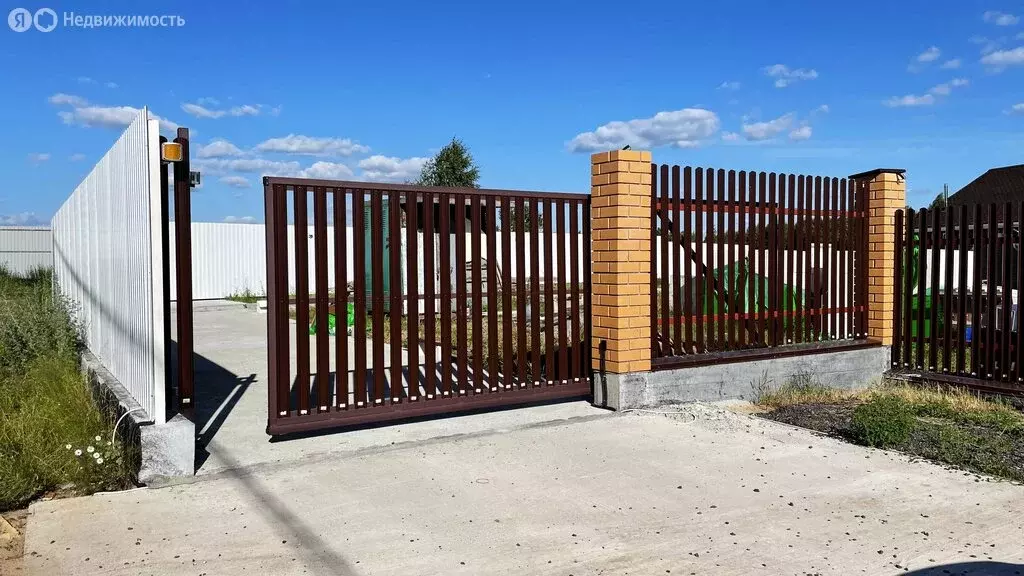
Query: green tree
column 939, row 203
column 451, row 167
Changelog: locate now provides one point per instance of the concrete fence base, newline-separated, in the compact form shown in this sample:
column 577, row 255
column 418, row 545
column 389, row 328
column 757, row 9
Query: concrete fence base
column 850, row 369
column 156, row 452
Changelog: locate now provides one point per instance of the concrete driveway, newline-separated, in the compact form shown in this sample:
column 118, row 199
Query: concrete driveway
column 702, row 492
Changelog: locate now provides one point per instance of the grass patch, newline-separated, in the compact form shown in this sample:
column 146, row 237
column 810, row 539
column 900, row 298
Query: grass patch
column 246, row 296
column 948, row 425
column 53, row 438
column 802, row 388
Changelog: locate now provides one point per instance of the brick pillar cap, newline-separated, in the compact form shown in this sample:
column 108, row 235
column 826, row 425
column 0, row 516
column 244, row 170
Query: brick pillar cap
column 872, row 173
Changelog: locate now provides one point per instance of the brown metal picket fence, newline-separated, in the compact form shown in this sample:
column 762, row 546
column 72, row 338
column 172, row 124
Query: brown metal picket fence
column 958, row 273
column 753, row 263
column 481, row 347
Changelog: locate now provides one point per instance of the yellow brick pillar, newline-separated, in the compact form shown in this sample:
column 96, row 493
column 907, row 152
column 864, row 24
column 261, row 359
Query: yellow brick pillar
column 887, row 193
column 621, row 269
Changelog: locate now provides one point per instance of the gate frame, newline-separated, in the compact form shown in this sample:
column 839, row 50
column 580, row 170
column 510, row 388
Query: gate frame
column 286, row 421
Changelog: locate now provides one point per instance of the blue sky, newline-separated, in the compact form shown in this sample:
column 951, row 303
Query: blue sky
column 368, row 90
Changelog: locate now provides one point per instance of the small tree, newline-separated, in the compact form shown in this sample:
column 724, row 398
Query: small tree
column 939, row 203
column 451, row 167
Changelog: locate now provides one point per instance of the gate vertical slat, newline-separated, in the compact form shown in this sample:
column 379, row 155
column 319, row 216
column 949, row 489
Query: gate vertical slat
column 779, row 208
column 721, row 316
column 413, row 297
column 991, row 253
column 922, row 275
column 762, row 246
column 359, row 287
column 476, row 236
column 1007, row 298
column 807, row 222
column 507, row 365
column 908, row 290
column 699, row 210
column 445, row 276
column 492, row 296
column 575, row 368
column 664, row 311
column 340, row 298
column 461, row 340
column 686, row 223
column 947, row 292
column 979, row 261
column 563, row 339
column 302, row 298
column 677, row 282
column 429, row 298
column 728, row 279
column 376, row 230
column 277, row 300
column 933, row 297
column 825, row 248
column 535, row 310
column 742, row 294
column 522, row 344
column 799, row 224
column 834, row 266
column 789, row 232
column 848, row 222
column 323, row 343
column 753, row 281
column 897, row 314
column 549, row 295
column 394, row 243
column 962, row 244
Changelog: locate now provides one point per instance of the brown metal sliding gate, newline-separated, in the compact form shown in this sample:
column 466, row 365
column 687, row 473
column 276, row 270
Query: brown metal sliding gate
column 442, row 300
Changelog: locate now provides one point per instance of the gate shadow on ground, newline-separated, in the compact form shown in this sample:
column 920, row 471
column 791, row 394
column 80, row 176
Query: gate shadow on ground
column 970, row 569
column 217, row 392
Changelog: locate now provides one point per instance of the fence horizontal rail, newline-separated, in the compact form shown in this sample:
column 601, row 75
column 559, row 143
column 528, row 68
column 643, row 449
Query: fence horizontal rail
column 750, row 260
column 350, row 186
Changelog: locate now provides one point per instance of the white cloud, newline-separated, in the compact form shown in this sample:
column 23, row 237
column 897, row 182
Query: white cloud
column 236, row 181
column 801, row 133
column 757, row 131
column 1000, row 18
column 941, row 90
column 951, row 64
column 312, row 146
column 85, row 80
column 729, row 85
column 988, row 45
column 1003, row 58
column 77, row 157
column 958, row 82
column 61, row 99
column 219, row 149
column 930, row 55
column 83, row 113
column 245, row 110
column 22, row 219
column 380, row 168
column 910, row 100
column 217, row 166
column 239, row 219
column 111, row 85
column 200, row 111
column 207, row 101
column 730, row 136
column 784, row 75
column 327, row 171
column 1020, row 36
column 684, row 128
column 823, row 109
column 1016, row 109
column 37, row 157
